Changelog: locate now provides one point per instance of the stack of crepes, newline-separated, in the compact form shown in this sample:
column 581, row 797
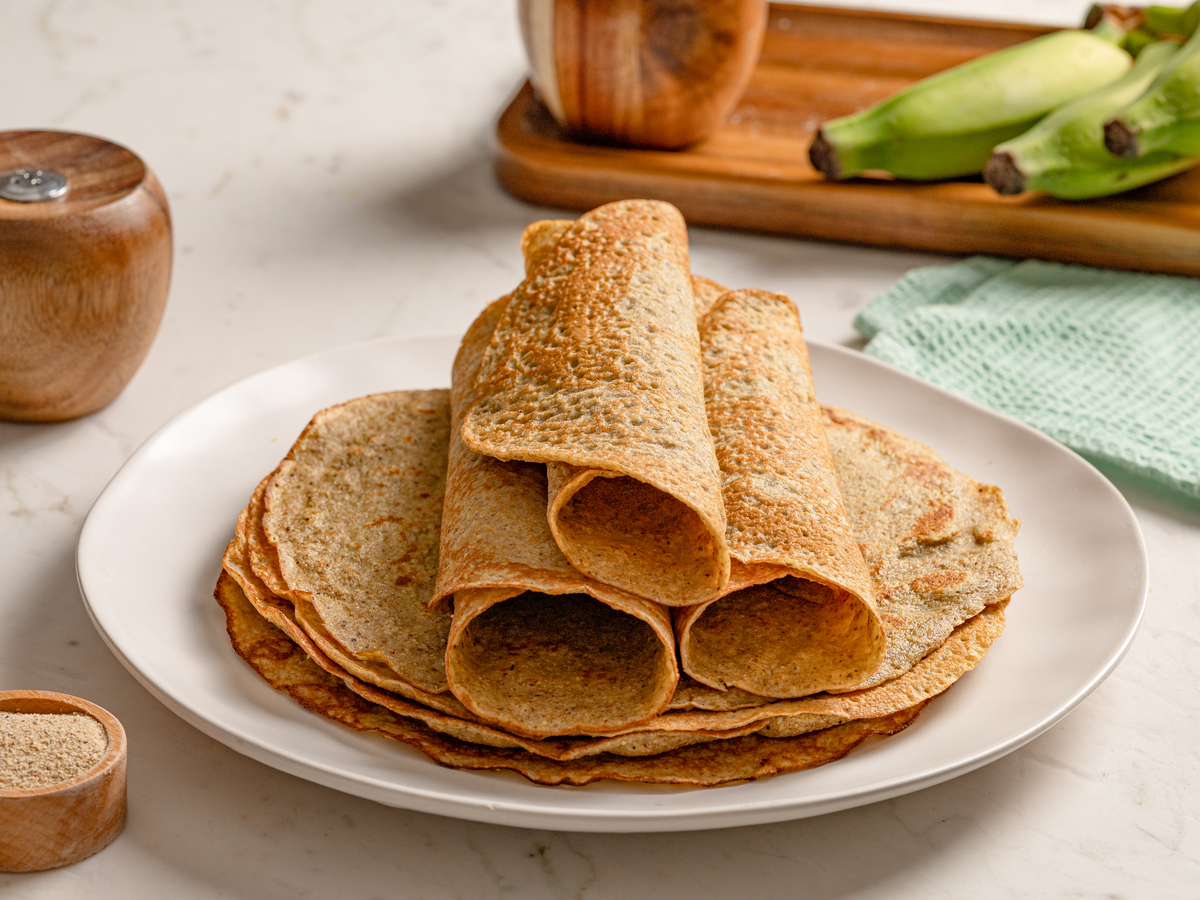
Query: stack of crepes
column 627, row 543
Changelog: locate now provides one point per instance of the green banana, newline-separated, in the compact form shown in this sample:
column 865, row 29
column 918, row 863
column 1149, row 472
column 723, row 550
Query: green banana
column 1168, row 20
column 947, row 124
column 1064, row 154
column 1167, row 115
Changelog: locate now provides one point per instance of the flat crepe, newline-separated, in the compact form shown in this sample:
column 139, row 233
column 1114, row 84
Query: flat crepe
column 287, row 668
column 535, row 646
column 798, row 615
column 594, row 369
column 247, row 563
column 352, row 516
column 940, row 546
column 938, row 543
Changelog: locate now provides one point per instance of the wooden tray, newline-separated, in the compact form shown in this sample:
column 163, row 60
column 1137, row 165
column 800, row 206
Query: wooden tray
column 754, row 173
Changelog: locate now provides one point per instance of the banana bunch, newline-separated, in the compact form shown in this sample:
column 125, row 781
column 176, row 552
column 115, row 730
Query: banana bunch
column 1064, row 154
column 1039, row 115
column 946, row 125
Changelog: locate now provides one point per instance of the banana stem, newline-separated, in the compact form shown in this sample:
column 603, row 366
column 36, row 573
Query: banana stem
column 1120, row 140
column 824, row 157
column 1004, row 175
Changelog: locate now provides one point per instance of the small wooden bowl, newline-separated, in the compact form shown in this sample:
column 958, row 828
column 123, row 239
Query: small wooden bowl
column 44, row 828
column 83, row 276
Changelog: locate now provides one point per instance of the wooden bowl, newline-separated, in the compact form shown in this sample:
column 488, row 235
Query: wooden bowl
column 44, row 828
column 643, row 73
column 83, row 277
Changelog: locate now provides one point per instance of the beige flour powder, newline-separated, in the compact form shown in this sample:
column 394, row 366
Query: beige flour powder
column 42, row 749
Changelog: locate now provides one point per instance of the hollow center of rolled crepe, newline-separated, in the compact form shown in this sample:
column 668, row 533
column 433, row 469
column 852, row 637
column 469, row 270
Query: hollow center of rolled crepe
column 553, row 664
column 788, row 638
column 631, row 535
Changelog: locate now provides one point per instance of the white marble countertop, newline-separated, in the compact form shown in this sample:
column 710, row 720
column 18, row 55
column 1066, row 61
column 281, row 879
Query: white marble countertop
column 328, row 166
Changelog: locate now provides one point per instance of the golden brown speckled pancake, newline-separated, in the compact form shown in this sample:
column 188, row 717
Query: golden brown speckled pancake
column 535, row 646
column 798, row 615
column 287, row 668
column 594, row 370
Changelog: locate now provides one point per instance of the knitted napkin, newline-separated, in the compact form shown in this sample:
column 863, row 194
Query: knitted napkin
column 1106, row 362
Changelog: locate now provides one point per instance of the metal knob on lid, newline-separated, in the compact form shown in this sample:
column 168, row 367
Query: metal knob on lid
column 32, row 185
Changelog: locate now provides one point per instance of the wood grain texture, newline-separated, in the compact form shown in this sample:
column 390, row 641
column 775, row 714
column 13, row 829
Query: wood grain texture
column 83, row 279
column 753, row 172
column 45, row 828
column 645, row 73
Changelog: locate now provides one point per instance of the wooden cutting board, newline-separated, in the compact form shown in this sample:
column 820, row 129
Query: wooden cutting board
column 754, row 173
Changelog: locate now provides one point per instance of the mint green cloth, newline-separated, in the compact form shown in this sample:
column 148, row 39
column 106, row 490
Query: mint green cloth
column 1106, row 362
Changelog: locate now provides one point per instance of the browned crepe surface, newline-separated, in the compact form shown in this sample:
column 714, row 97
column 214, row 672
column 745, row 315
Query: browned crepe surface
column 594, row 369
column 535, row 646
column 538, row 240
column 246, row 562
column 904, row 480
column 798, row 615
column 705, row 293
column 442, row 712
column 287, row 668
column 352, row 516
column 938, row 543
column 702, row 722
column 696, row 722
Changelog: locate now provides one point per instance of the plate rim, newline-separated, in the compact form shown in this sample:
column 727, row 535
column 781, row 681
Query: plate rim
column 566, row 818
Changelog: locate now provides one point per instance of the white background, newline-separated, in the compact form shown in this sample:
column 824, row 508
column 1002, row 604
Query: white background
column 328, row 166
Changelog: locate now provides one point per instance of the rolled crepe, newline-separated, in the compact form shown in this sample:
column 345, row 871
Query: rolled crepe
column 798, row 615
column 534, row 646
column 594, row 369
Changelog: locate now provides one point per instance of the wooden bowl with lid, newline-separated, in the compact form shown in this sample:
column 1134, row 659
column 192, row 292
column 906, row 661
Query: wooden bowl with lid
column 59, row 824
column 85, row 263
column 642, row 73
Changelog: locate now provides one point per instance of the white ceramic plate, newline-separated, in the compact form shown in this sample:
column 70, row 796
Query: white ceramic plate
column 150, row 553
